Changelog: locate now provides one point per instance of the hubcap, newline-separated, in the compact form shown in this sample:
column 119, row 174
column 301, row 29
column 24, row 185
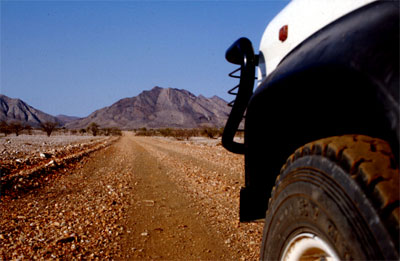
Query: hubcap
column 307, row 246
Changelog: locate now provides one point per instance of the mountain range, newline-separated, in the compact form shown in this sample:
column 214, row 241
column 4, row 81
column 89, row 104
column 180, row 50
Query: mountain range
column 17, row 110
column 156, row 108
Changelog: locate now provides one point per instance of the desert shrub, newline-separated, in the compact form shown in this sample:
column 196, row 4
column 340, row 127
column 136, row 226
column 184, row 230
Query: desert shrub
column 16, row 127
column 105, row 131
column 115, row 132
column 48, row 127
column 166, row 132
column 82, row 131
column 184, row 134
column 4, row 128
column 73, row 132
column 93, row 128
column 212, row 133
column 196, row 132
column 111, row 131
column 180, row 134
column 146, row 132
column 64, row 130
column 28, row 128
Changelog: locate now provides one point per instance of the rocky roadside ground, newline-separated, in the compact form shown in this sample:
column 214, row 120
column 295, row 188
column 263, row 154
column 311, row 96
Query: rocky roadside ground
column 140, row 198
column 27, row 160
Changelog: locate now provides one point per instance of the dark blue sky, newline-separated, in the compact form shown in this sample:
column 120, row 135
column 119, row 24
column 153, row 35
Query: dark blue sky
column 73, row 57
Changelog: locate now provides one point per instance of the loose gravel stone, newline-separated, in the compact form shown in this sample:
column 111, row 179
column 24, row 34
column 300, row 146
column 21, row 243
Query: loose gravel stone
column 140, row 198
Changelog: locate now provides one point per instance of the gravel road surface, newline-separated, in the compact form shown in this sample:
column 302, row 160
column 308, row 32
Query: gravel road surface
column 140, row 198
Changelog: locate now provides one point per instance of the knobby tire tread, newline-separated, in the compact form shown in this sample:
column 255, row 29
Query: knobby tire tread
column 370, row 162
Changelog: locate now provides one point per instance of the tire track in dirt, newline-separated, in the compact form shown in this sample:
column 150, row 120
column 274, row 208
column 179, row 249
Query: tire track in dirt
column 127, row 201
column 163, row 221
column 212, row 178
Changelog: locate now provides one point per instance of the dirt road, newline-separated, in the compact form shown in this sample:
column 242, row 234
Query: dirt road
column 141, row 198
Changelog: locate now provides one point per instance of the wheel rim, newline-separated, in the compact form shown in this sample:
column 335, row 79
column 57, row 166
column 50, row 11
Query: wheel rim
column 307, row 246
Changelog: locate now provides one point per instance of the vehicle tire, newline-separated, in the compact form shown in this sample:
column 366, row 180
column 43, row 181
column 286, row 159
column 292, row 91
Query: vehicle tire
column 335, row 199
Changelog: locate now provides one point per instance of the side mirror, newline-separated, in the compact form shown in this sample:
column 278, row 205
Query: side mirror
column 241, row 52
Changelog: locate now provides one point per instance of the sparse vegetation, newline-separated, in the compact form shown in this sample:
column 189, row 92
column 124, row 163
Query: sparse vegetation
column 48, row 127
column 16, row 127
column 145, row 132
column 166, row 132
column 93, row 128
column 64, row 130
column 28, row 128
column 5, row 128
column 181, row 134
column 212, row 133
column 185, row 134
column 111, row 131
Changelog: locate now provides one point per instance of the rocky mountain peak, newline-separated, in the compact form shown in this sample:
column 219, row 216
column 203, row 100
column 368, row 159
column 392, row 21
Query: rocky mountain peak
column 155, row 108
column 17, row 110
column 158, row 108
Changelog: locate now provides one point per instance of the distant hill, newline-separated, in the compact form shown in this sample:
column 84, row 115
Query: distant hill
column 157, row 108
column 66, row 119
column 17, row 110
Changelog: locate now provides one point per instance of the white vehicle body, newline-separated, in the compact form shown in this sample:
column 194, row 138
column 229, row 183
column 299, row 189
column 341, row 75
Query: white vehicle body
column 302, row 18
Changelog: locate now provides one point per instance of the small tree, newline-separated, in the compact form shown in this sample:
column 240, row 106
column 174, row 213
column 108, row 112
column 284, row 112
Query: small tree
column 5, row 128
column 28, row 129
column 16, row 127
column 93, row 128
column 48, row 127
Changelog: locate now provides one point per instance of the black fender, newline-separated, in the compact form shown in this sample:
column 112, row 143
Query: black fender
column 344, row 79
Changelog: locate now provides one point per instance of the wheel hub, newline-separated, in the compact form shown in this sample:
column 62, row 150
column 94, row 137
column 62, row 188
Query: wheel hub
column 307, row 246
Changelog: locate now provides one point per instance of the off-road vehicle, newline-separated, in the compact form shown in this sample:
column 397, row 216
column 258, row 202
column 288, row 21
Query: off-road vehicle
column 321, row 130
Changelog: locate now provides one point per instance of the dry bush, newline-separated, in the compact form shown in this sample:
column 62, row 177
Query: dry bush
column 28, row 129
column 93, row 128
column 181, row 134
column 111, row 131
column 5, row 128
column 116, row 132
column 16, row 127
column 211, row 133
column 146, row 132
column 48, row 127
column 166, row 132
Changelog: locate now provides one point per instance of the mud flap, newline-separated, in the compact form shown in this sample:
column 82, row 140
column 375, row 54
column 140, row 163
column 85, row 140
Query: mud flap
column 253, row 204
